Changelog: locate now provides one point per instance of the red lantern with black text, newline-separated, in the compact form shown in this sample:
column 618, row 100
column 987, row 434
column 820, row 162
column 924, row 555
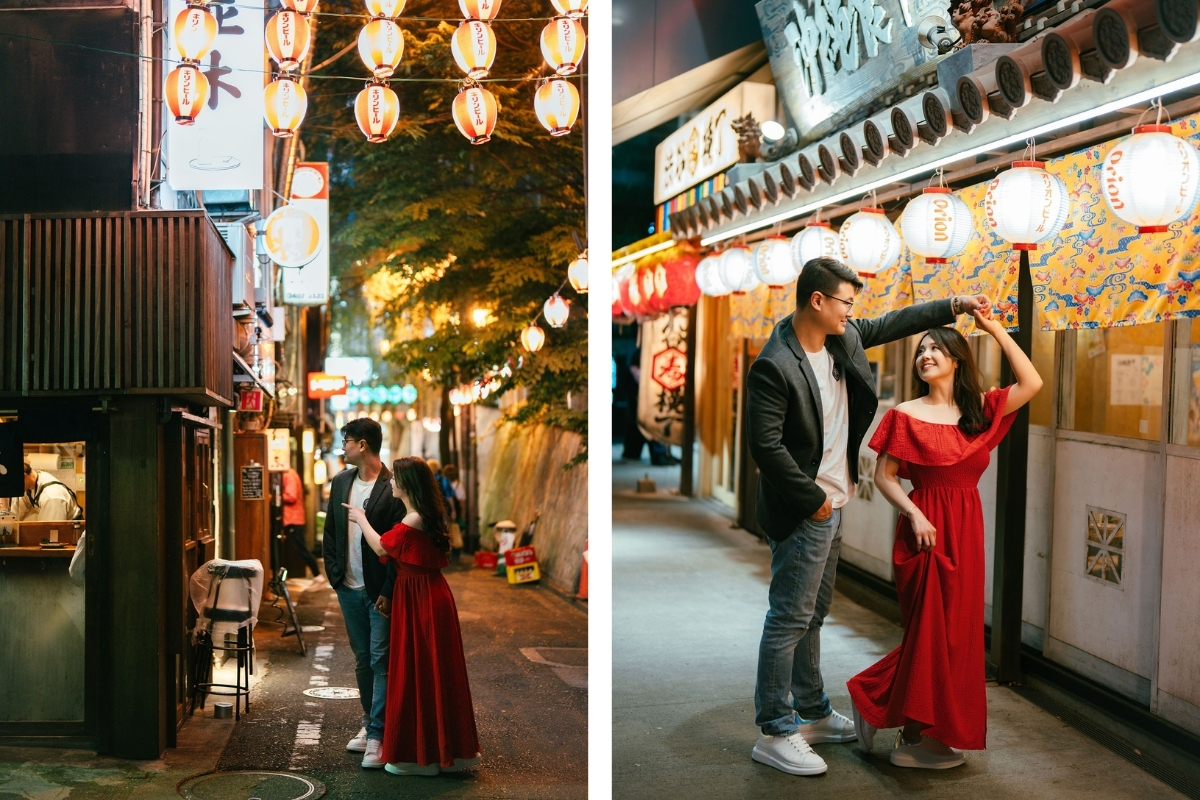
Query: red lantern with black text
column 474, row 111
column 675, row 280
column 473, row 46
column 652, row 302
column 563, row 43
column 186, row 91
column 288, row 38
column 622, row 307
column 377, row 110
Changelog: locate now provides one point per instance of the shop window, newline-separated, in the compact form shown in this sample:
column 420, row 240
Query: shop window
column 1112, row 382
column 1185, row 401
column 1105, row 545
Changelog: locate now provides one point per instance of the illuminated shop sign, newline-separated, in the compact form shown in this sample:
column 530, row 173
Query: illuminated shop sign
column 381, row 395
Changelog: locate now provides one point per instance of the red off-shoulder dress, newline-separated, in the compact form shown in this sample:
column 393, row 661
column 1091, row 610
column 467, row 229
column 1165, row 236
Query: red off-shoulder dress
column 429, row 718
column 936, row 676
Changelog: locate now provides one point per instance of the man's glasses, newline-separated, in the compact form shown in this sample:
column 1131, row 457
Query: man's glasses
column 849, row 303
column 347, row 441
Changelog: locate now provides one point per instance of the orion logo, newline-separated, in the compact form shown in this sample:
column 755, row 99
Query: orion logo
column 1112, row 179
column 941, row 219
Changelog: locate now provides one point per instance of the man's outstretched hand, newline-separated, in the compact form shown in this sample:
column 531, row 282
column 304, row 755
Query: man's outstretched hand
column 969, row 304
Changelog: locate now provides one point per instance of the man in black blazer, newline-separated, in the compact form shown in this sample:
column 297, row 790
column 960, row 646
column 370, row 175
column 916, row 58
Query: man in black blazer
column 363, row 585
column 810, row 399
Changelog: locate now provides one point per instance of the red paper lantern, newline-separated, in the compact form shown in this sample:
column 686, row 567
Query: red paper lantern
column 675, row 280
column 619, row 279
column 652, row 302
column 631, row 295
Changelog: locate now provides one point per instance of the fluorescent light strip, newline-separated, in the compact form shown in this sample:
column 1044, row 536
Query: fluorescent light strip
column 1148, row 94
column 643, row 253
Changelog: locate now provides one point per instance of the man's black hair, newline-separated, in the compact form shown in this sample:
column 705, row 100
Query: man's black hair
column 823, row 275
column 365, row 429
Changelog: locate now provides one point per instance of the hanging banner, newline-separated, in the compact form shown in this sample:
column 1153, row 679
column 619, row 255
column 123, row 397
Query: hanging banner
column 664, row 370
column 309, row 285
column 223, row 148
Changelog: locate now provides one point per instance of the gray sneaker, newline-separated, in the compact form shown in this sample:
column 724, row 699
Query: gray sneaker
column 926, row 754
column 865, row 731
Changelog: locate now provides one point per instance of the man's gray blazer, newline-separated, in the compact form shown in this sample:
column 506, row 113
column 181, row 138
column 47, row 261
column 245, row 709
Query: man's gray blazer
column 784, row 414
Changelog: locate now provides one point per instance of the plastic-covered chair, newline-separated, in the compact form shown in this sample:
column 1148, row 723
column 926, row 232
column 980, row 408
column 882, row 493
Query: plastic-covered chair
column 226, row 596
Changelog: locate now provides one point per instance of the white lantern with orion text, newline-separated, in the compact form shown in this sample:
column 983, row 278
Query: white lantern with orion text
column 869, row 242
column 1152, row 178
column 737, row 269
column 708, row 276
column 1026, row 204
column 936, row 225
column 817, row 240
column 556, row 311
column 773, row 261
column 532, row 338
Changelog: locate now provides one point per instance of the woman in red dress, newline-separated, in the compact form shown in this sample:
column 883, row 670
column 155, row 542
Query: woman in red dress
column 429, row 723
column 933, row 685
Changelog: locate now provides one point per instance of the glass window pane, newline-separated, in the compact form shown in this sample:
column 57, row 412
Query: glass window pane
column 1118, row 380
column 1041, row 408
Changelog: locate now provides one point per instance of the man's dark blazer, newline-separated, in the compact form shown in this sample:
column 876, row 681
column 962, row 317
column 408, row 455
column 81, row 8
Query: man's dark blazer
column 784, row 417
column 383, row 512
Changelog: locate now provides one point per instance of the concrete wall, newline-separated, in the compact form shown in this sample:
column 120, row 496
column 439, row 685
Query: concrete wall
column 1179, row 639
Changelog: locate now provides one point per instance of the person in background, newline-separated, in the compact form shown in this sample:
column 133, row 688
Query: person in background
column 293, row 524
column 455, row 495
column 46, row 499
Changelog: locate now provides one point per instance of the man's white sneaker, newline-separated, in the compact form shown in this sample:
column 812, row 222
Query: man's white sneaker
column 359, row 743
column 413, row 769
column 790, row 754
column 926, row 754
column 865, row 731
column 833, row 728
column 463, row 763
column 371, row 759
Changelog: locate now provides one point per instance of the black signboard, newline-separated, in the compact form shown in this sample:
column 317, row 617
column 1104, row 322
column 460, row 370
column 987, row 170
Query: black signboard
column 252, row 482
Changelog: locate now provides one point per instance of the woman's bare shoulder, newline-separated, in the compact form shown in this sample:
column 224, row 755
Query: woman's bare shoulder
column 413, row 520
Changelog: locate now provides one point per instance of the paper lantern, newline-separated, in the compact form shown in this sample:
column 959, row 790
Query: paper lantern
column 570, row 8
column 737, row 269
column 1152, row 178
column 474, row 48
column 185, row 91
column 625, row 287
column 305, row 7
column 773, row 261
column 532, row 338
column 292, row 237
column 479, row 9
column 288, row 37
column 817, row 240
column 285, row 103
column 385, row 8
column 618, row 310
column 563, row 43
column 474, row 111
column 557, row 105
column 1026, row 205
column 381, row 46
column 708, row 276
column 652, row 303
column 675, row 280
column 556, row 311
column 869, row 242
column 377, row 110
column 936, row 225
column 195, row 30
column 577, row 273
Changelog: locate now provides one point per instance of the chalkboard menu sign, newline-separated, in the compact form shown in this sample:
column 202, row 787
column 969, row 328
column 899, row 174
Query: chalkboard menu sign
column 252, row 481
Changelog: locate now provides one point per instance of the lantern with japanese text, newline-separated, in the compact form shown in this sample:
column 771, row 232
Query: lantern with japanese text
column 627, row 293
column 936, row 225
column 473, row 46
column 675, row 279
column 708, row 276
column 377, row 110
column 557, row 105
column 1026, row 204
column 556, row 310
column 577, row 273
column 773, row 261
column 737, row 269
column 618, row 308
column 1152, row 178
column 480, row 9
column 385, row 8
column 571, row 8
column 381, row 46
column 285, row 103
column 652, row 303
column 563, row 43
column 817, row 240
column 532, row 338
column 288, row 38
column 474, row 111
column 869, row 242
column 185, row 91
column 305, row 7
column 195, row 30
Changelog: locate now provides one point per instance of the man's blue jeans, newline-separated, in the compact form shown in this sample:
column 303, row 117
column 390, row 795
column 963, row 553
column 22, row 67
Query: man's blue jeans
column 369, row 635
column 789, row 656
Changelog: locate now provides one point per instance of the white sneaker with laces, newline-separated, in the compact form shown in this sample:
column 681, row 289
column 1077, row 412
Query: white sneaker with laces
column 359, row 743
column 865, row 731
column 405, row 768
column 926, row 754
column 463, row 763
column 371, row 759
column 833, row 728
column 790, row 754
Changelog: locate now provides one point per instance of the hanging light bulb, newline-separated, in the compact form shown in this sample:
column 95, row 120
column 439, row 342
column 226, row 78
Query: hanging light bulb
column 556, row 311
column 195, row 30
column 474, row 111
column 563, row 43
column 285, row 103
column 1152, row 178
column 377, row 110
column 532, row 338
column 577, row 273
column 817, row 240
column 557, row 106
column 571, row 8
column 385, row 8
column 1026, row 204
column 869, row 242
column 936, row 225
column 288, row 37
column 304, row 7
column 474, row 48
column 381, row 46
column 185, row 92
column 773, row 263
column 480, row 9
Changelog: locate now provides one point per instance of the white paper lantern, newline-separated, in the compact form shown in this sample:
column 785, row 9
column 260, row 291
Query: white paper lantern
column 556, row 310
column 869, row 242
column 936, row 225
column 773, row 263
column 1152, row 178
column 1026, row 205
column 708, row 276
column 817, row 240
column 737, row 269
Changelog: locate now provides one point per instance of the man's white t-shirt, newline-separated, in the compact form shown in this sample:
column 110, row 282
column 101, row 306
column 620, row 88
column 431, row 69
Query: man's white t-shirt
column 359, row 493
column 834, row 474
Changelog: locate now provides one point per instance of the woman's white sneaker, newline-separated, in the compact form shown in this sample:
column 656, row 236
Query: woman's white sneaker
column 926, row 754
column 790, row 754
column 865, row 731
column 426, row 770
column 833, row 728
column 373, row 758
column 463, row 763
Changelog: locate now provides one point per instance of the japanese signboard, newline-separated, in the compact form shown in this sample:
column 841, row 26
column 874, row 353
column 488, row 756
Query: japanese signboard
column 707, row 144
column 309, row 285
column 279, row 453
column 664, row 371
column 223, row 149
column 322, row 385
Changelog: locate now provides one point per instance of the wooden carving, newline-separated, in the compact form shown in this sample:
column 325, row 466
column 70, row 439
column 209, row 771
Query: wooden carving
column 981, row 21
column 749, row 139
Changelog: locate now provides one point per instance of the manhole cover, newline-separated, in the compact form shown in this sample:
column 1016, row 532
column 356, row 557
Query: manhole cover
column 252, row 786
column 333, row 693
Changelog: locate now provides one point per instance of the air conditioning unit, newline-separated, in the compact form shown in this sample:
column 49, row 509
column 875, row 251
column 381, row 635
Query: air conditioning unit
column 264, row 277
column 241, row 242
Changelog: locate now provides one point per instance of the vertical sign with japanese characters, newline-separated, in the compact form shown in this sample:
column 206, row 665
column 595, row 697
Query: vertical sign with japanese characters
column 223, row 149
column 664, row 371
column 309, row 285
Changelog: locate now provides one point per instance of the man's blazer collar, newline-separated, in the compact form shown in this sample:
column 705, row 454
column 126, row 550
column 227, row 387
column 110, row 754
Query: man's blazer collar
column 810, row 377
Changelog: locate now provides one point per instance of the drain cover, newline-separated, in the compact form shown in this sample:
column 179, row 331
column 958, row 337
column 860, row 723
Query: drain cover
column 333, row 693
column 252, row 786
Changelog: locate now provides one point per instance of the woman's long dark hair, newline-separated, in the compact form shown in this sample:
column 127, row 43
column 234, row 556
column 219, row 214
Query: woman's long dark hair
column 968, row 384
column 415, row 477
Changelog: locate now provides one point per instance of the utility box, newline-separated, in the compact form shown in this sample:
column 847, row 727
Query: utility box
column 241, row 243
